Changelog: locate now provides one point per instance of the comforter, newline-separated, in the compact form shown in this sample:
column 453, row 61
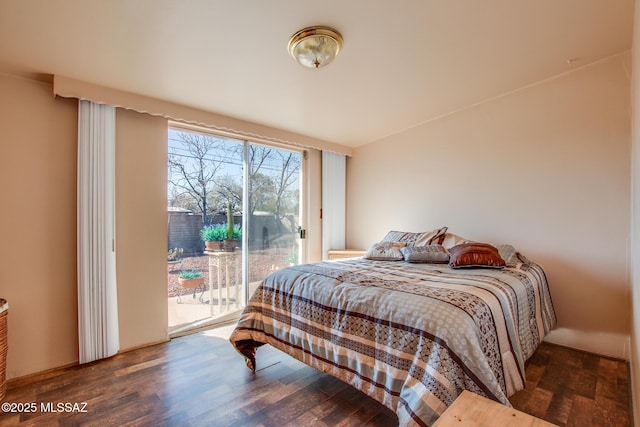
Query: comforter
column 412, row 336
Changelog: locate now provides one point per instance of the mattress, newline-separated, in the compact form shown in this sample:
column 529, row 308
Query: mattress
column 412, row 336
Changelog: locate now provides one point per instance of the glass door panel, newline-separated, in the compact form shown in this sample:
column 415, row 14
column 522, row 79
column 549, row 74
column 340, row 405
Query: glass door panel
column 205, row 182
column 273, row 207
column 213, row 181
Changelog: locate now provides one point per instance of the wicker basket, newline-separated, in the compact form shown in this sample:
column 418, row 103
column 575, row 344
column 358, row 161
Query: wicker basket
column 4, row 313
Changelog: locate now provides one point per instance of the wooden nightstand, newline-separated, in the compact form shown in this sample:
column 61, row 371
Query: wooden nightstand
column 472, row 410
column 345, row 253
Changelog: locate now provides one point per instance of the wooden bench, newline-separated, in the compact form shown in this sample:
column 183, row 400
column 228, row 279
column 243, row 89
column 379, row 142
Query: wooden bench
column 470, row 409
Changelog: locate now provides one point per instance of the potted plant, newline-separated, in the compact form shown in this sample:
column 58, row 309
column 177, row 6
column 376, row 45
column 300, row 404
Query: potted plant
column 233, row 233
column 212, row 235
column 190, row 279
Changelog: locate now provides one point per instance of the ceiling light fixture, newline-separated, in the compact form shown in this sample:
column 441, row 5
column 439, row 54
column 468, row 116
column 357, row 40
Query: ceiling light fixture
column 315, row 47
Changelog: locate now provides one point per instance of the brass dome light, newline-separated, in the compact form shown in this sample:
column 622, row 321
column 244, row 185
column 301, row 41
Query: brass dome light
column 315, row 47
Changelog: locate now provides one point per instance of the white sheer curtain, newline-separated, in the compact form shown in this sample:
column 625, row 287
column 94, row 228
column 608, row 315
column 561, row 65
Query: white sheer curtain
column 333, row 201
column 97, row 295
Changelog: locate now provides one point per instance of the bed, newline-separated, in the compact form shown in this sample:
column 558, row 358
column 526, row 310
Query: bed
column 412, row 335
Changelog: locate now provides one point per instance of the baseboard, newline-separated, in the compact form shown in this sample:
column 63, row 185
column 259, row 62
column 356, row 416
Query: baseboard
column 602, row 343
column 38, row 376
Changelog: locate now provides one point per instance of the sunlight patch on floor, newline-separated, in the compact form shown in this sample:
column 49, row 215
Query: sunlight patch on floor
column 223, row 331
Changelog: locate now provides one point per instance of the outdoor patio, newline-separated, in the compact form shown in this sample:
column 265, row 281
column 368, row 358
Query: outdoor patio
column 191, row 310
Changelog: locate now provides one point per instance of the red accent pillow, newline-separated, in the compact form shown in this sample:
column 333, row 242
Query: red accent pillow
column 470, row 255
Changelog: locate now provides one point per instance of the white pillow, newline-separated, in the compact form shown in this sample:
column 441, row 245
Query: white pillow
column 385, row 251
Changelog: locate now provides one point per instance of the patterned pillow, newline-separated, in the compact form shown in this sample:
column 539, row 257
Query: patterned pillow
column 511, row 257
column 411, row 239
column 431, row 237
column 385, row 251
column 469, row 255
column 508, row 254
column 429, row 253
column 449, row 240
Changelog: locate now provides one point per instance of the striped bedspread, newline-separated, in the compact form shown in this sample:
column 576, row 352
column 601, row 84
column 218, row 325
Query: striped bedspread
column 412, row 336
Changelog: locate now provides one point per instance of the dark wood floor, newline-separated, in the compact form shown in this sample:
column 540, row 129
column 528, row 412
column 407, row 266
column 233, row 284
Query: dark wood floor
column 572, row 388
column 199, row 380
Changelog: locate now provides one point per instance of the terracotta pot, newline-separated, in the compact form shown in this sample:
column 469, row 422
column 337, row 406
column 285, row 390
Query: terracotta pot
column 229, row 245
column 190, row 283
column 213, row 245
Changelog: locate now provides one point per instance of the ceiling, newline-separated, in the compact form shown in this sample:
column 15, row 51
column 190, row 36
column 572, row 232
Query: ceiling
column 404, row 62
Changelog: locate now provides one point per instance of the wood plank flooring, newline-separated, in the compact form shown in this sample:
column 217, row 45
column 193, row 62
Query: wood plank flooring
column 568, row 387
column 199, row 380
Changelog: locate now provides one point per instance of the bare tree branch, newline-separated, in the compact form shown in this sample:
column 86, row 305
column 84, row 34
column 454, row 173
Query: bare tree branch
column 195, row 171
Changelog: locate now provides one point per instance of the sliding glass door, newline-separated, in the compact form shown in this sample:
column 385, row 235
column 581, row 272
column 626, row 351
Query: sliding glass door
column 221, row 188
column 273, row 211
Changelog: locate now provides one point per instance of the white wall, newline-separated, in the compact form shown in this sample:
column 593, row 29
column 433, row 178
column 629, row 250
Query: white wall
column 545, row 168
column 38, row 158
